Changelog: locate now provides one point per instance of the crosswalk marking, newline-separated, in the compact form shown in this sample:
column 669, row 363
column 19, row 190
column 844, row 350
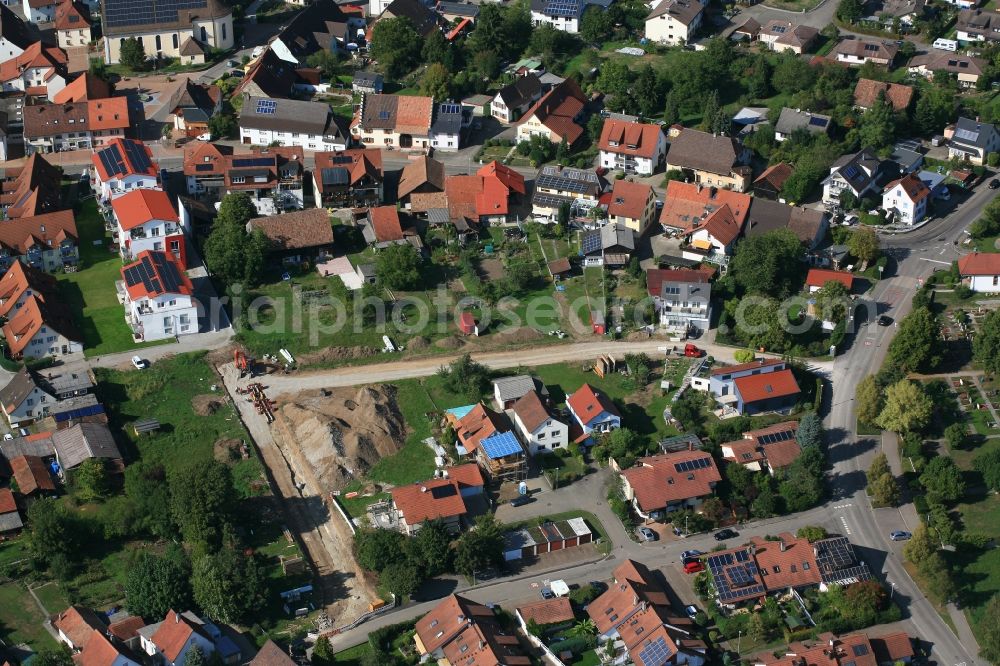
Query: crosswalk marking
column 846, row 528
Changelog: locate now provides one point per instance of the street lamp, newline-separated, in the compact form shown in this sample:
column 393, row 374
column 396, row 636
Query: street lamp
column 739, row 639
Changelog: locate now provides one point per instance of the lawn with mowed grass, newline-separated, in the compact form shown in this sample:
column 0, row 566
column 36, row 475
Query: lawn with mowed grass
column 21, row 619
column 52, row 597
column 90, row 291
column 165, row 392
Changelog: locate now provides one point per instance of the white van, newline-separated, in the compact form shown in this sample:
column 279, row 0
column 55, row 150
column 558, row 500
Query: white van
column 945, row 44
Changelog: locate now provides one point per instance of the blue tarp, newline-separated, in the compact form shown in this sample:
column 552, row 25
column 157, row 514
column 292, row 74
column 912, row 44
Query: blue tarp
column 460, row 412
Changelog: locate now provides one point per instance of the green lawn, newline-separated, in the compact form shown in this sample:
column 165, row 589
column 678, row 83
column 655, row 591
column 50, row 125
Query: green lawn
column 415, row 461
column 52, row 597
column 13, row 551
column 164, row 392
column 90, row 292
column 20, row 619
column 352, row 656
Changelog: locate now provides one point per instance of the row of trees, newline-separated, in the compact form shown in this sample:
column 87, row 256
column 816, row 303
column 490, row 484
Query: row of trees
column 196, row 504
column 403, row 563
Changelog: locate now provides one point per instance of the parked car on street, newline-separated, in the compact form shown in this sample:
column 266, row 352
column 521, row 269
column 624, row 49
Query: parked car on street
column 140, row 363
column 693, row 567
column 647, row 534
column 688, row 554
column 900, row 535
column 726, row 533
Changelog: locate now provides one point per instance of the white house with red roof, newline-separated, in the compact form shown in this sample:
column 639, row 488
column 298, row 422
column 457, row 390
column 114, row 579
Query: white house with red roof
column 981, row 272
column 632, row 147
column 816, row 278
column 670, row 482
column 906, row 199
column 123, row 165
column 632, row 205
column 682, row 297
column 539, row 431
column 442, row 498
column 158, row 297
column 76, row 625
column 102, row 650
column 170, row 642
column 593, row 410
column 39, row 70
column 769, row 392
column 145, row 219
column 720, row 380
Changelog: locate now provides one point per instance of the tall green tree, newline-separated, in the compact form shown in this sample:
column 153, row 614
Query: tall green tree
column 907, row 408
column 916, row 345
column 878, row 124
column 147, row 490
column 436, row 49
column 231, row 253
column 989, row 630
column 132, row 53
column 436, row 82
column 91, row 481
column 850, row 11
column 401, row 578
column 942, row 479
column 481, row 547
column 54, row 535
column 202, row 500
column 398, row 267
column 987, row 463
column 430, row 549
column 864, row 244
column 810, row 432
column 769, row 263
column 377, row 548
column 986, row 345
column 868, row 399
column 396, row 45
column 229, row 585
column 154, row 584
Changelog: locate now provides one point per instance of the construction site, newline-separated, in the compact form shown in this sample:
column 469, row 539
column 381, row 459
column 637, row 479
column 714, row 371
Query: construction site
column 313, row 443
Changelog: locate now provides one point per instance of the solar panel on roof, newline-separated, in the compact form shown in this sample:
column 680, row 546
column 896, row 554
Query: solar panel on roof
column 266, row 107
column 90, row 410
column 336, row 176
column 203, row 167
column 591, row 242
column 966, row 135
column 253, row 162
column 817, row 122
column 656, row 653
column 451, row 108
column 136, row 153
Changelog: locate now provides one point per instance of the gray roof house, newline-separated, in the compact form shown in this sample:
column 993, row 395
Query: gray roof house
column 612, row 245
column 24, row 398
column 808, row 224
column 291, row 122
column 367, row 82
column 860, row 174
column 68, row 384
column 973, row 140
column 10, row 519
column 682, row 297
column 514, row 99
column 507, row 390
column 795, row 119
column 84, row 441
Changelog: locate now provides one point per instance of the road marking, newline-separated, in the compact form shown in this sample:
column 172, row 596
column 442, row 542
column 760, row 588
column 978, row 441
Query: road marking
column 843, row 506
column 868, row 343
column 846, row 528
column 936, row 261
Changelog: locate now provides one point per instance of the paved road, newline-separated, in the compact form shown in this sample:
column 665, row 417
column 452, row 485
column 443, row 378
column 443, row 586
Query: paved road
column 917, row 254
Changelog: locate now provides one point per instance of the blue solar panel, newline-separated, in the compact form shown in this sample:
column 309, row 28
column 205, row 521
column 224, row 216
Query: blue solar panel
column 591, row 242
column 80, row 413
column 266, row 107
column 817, row 122
column 501, row 445
column 253, row 162
column 655, row 653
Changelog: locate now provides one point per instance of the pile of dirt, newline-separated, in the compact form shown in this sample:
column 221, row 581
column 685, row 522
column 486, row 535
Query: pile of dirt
column 216, row 357
column 330, row 354
column 451, row 342
column 518, row 335
column 227, row 450
column 341, row 433
column 419, row 343
column 637, row 336
column 206, row 405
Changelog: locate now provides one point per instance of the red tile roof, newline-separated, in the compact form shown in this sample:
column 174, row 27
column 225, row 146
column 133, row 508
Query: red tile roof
column 108, row 114
column 511, row 179
column 776, row 175
column 477, row 425
column 530, row 410
column 817, row 277
column 72, row 16
column 778, row 384
column 45, row 230
column 688, row 205
column 128, row 628
column 655, row 277
column 157, row 260
column 429, row 500
column 35, row 188
column 385, row 223
column 37, row 55
column 893, row 647
column 980, row 263
column 722, row 225
column 31, row 474
column 629, row 199
column 174, row 633
column 131, row 169
column 447, row 619
column 913, row 187
column 199, row 153
column 135, row 208
column 33, row 315
column 547, row 611
column 790, row 562
column 21, row 279
column 98, row 652
column 657, row 483
column 78, row 624
column 362, row 163
column 588, row 402
column 468, row 475
column 7, row 503
column 867, row 90
column 779, row 454
column 744, row 451
column 82, row 88
column 272, row 655
column 638, row 139
column 557, row 109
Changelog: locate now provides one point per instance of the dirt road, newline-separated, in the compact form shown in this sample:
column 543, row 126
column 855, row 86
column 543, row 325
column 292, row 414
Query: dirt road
column 423, row 367
column 326, row 536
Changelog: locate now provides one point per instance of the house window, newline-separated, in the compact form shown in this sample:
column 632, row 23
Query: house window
column 541, row 435
column 167, row 321
column 176, row 40
column 159, row 46
column 239, row 180
column 223, row 31
column 204, row 34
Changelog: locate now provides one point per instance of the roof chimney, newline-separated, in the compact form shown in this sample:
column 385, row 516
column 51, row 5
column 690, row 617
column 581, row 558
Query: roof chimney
column 423, row 489
column 782, row 545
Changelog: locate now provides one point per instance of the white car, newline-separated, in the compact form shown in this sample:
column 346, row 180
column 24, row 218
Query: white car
column 7, row 436
column 207, row 136
column 258, row 52
column 140, row 363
